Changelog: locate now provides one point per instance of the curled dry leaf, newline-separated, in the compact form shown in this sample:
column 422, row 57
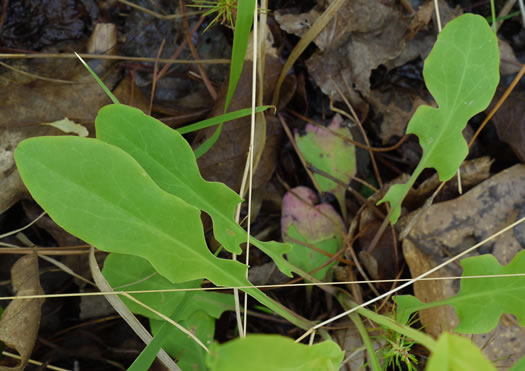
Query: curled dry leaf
column 21, row 319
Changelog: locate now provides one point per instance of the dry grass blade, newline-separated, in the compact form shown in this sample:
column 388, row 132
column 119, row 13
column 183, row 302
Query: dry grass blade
column 33, row 362
column 110, row 57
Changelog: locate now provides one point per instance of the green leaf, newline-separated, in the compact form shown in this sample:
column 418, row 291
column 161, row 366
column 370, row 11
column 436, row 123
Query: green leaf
column 100, row 194
column 184, row 307
column 139, row 275
column 457, row 353
column 316, row 226
column 273, row 352
column 461, row 73
column 241, row 36
column 406, row 305
column 330, row 153
column 189, row 354
column 168, row 159
column 150, row 351
column 480, row 302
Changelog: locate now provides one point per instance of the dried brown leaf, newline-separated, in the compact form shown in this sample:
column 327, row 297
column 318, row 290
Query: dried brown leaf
column 21, row 319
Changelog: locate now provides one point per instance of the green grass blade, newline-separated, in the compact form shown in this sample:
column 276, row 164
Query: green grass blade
column 220, row 119
column 99, row 81
column 241, row 36
column 189, row 354
column 148, row 354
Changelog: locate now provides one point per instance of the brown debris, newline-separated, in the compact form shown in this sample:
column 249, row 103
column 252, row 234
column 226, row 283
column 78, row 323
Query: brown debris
column 20, row 321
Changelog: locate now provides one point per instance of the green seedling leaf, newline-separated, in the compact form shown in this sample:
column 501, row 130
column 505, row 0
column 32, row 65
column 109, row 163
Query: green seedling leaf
column 99, row 193
column 457, row 353
column 461, row 73
column 480, row 302
column 140, row 275
column 168, row 159
column 315, row 225
column 241, row 36
column 273, row 352
column 182, row 306
column 189, row 354
column 330, row 153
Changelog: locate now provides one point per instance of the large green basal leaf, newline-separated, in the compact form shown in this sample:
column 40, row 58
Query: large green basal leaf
column 456, row 353
column 169, row 160
column 100, row 194
column 461, row 73
column 273, row 352
column 480, row 302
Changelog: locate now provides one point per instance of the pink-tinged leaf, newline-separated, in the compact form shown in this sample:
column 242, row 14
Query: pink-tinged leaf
column 305, row 225
column 330, row 153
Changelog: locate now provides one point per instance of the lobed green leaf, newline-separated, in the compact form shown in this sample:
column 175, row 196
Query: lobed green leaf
column 168, row 158
column 100, row 194
column 480, row 302
column 461, row 73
